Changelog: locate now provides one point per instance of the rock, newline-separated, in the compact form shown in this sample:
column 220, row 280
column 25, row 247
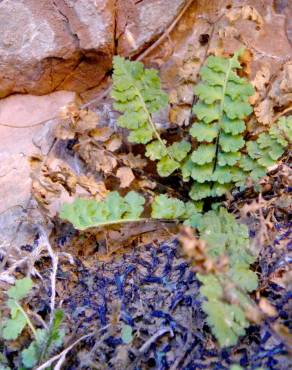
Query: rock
column 141, row 22
column 16, row 145
column 49, row 45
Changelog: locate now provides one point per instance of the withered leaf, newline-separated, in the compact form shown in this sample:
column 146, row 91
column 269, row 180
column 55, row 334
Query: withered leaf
column 114, row 143
column 133, row 161
column 126, row 176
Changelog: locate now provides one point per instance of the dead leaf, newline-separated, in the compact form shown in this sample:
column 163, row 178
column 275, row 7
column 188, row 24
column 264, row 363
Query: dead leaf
column 126, row 176
column 96, row 157
column 185, row 93
column 101, row 133
column 147, row 184
column 267, row 308
column 180, row 115
column 96, row 188
column 264, row 112
column 246, row 12
column 75, row 121
column 114, row 143
column 133, row 161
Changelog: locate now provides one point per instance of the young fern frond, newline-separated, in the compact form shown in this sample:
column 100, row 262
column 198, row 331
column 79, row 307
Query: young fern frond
column 115, row 209
column 222, row 107
column 268, row 148
column 138, row 95
column 86, row 213
column 226, row 237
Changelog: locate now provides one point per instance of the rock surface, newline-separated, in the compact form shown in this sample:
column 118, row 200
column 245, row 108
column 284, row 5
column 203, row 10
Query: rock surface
column 50, row 45
column 17, row 144
column 141, row 21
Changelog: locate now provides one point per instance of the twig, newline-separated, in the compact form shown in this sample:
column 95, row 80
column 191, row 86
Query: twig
column 63, row 353
column 153, row 339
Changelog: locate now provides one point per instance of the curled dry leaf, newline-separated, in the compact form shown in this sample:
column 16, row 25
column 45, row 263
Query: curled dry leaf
column 101, row 133
column 54, row 183
column 180, row 115
column 114, row 143
column 246, row 12
column 126, row 176
column 96, row 157
column 75, row 121
column 260, row 83
column 264, row 112
column 279, row 95
column 147, row 184
column 96, row 188
column 133, row 161
column 267, row 308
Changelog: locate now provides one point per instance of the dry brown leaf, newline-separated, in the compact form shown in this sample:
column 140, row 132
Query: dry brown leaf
column 101, row 133
column 114, row 143
column 185, row 93
column 264, row 112
column 267, row 308
column 246, row 12
column 147, row 184
column 96, row 157
column 133, row 161
column 180, row 115
column 96, row 188
column 75, row 121
column 126, row 176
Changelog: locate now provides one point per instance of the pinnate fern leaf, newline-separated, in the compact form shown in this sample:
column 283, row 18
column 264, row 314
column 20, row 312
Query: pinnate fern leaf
column 226, row 237
column 221, row 110
column 86, row 213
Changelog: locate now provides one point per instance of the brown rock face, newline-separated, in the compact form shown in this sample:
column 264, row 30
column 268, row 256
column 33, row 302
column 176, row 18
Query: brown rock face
column 139, row 22
column 48, row 45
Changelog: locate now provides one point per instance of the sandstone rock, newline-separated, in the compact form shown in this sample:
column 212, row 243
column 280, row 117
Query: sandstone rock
column 16, row 145
column 49, row 45
column 140, row 22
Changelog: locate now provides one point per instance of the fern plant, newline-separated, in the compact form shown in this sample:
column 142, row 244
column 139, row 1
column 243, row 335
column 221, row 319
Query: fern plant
column 45, row 341
column 115, row 209
column 221, row 110
column 86, row 213
column 138, row 95
column 226, row 237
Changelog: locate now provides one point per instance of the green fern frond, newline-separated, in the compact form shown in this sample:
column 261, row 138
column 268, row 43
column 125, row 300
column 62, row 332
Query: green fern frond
column 86, row 213
column 138, row 95
column 267, row 149
column 226, row 237
column 223, row 104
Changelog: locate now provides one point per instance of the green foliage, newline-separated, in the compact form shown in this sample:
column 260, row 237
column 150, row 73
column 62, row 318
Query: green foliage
column 45, row 340
column 45, row 343
column 164, row 207
column 268, row 148
column 138, row 95
column 226, row 237
column 14, row 326
column 85, row 213
column 223, row 104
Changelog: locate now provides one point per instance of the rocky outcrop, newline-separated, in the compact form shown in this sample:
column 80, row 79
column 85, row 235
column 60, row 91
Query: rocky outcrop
column 21, row 137
column 139, row 22
column 49, row 45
